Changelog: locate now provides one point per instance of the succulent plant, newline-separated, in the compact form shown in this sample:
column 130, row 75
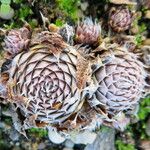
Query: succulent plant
column 42, row 80
column 87, row 32
column 120, row 83
column 17, row 40
column 120, row 19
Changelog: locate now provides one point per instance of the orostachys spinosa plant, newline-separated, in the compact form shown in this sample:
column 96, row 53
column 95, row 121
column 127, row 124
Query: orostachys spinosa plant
column 17, row 40
column 120, row 82
column 68, row 89
column 87, row 32
column 120, row 19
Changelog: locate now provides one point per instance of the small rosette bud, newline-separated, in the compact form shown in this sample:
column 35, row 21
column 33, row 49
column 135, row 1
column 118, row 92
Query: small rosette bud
column 87, row 32
column 120, row 19
column 16, row 40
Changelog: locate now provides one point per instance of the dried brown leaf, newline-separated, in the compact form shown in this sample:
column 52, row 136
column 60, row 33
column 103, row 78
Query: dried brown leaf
column 82, row 71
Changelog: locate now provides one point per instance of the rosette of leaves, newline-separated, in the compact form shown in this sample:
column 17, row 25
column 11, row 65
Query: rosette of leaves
column 120, row 19
column 88, row 32
column 45, row 81
column 17, row 40
column 119, row 81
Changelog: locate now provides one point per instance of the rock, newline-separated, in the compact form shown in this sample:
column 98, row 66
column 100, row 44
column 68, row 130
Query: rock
column 0, row 112
column 6, row 12
column 84, row 6
column 145, row 3
column 85, row 137
column 67, row 32
column 104, row 141
column 145, row 145
column 146, row 56
column 67, row 148
column 41, row 146
column 147, row 14
column 55, row 137
column 146, row 41
column 16, row 148
column 2, row 125
column 147, row 130
column 14, row 135
column 134, row 29
column 69, row 144
column 119, row 2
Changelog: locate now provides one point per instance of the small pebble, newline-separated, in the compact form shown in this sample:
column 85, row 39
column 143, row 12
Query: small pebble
column 147, row 14
column 84, row 6
column 66, row 148
column 7, row 15
column 41, row 146
column 148, row 127
column 69, row 144
column 17, row 143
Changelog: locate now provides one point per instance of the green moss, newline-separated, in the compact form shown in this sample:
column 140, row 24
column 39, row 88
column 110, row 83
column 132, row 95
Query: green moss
column 8, row 121
column 69, row 7
column 3, row 146
column 144, row 109
column 122, row 146
column 105, row 129
column 143, row 114
column 59, row 22
column 138, row 129
column 138, row 37
column 39, row 132
column 24, row 12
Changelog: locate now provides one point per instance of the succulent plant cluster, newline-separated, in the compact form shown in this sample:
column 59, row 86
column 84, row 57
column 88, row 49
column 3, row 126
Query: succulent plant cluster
column 69, row 88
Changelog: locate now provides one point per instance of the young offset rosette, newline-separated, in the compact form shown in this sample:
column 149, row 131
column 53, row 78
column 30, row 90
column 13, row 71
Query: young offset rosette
column 120, row 19
column 17, row 40
column 119, row 84
column 87, row 32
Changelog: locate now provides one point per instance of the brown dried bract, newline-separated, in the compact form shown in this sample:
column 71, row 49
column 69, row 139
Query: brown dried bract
column 82, row 71
column 52, row 41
